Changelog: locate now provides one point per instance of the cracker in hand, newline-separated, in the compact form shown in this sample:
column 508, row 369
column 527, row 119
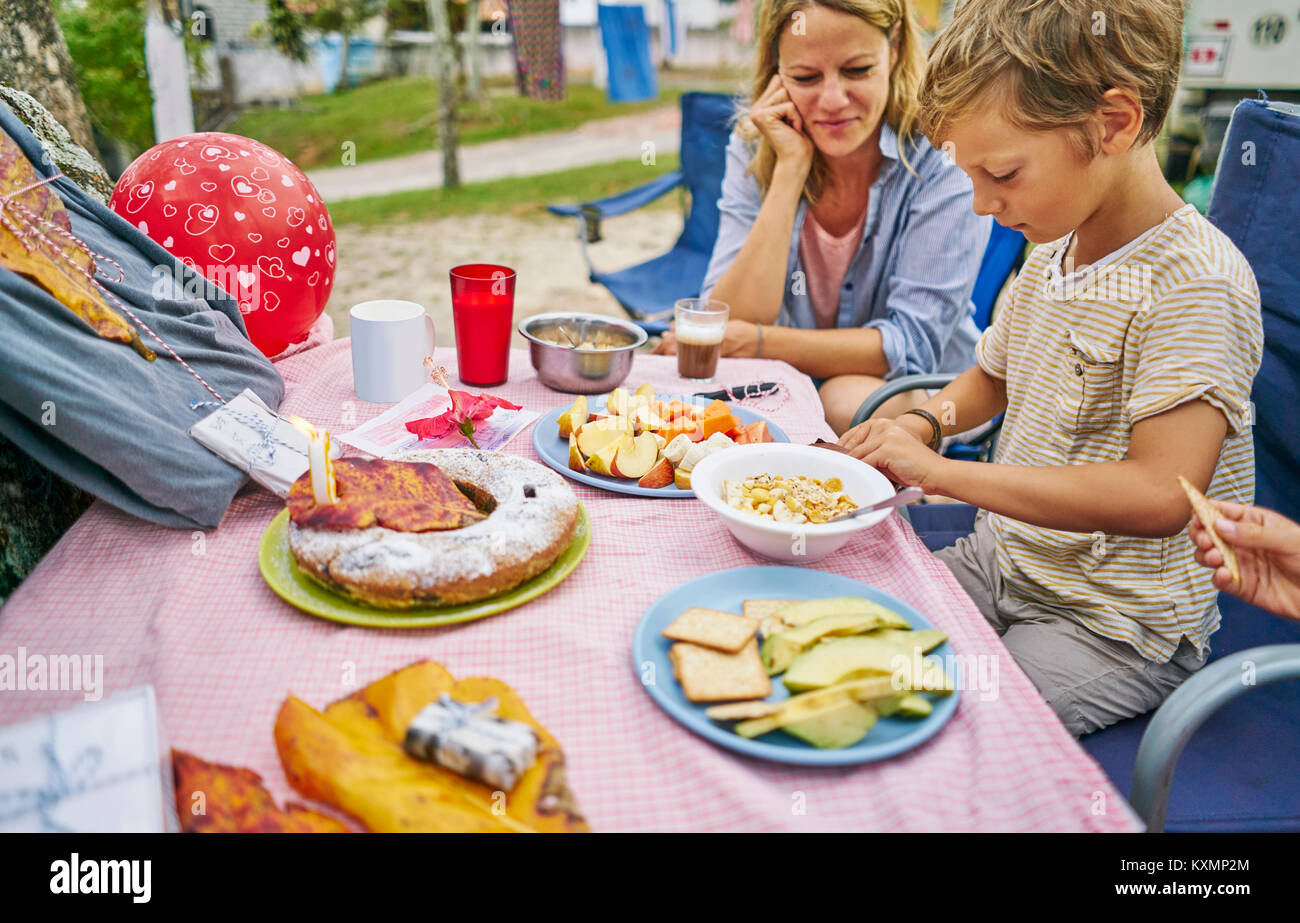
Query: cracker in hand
column 1208, row 515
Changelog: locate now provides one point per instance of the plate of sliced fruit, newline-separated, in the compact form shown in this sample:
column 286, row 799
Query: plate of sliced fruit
column 644, row 443
column 796, row 666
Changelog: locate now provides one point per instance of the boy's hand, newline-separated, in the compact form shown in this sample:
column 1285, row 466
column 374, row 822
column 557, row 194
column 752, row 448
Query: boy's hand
column 896, row 452
column 1267, row 545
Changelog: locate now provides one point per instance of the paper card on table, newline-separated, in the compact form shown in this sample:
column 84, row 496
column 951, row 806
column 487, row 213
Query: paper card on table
column 253, row 438
column 101, row 767
column 387, row 433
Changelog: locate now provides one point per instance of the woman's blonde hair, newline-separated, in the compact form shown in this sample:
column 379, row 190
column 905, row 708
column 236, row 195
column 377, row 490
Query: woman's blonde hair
column 1048, row 62
column 902, row 111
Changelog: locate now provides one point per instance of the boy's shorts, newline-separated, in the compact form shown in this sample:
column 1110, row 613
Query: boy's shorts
column 1089, row 680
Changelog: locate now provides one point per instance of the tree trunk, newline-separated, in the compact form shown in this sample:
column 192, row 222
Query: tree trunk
column 344, row 52
column 169, row 75
column 472, row 50
column 447, row 129
column 34, row 58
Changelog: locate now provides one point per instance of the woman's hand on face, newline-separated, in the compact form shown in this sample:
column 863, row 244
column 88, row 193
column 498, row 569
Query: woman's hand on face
column 739, row 339
column 775, row 116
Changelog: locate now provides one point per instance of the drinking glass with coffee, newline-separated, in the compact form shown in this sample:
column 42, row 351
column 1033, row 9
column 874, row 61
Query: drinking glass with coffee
column 700, row 324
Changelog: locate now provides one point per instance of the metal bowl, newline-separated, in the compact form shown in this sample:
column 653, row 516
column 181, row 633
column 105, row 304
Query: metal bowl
column 601, row 361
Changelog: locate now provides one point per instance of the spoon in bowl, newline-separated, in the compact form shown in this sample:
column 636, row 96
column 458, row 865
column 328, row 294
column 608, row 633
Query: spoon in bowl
column 568, row 336
column 902, row 498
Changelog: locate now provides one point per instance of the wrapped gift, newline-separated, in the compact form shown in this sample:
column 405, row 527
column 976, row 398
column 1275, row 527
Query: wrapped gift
column 473, row 741
column 101, row 767
column 257, row 441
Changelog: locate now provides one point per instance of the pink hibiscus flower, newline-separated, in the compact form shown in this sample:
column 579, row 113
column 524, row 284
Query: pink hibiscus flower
column 466, row 410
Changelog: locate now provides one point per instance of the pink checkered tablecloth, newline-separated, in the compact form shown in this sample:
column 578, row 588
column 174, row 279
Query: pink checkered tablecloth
column 190, row 613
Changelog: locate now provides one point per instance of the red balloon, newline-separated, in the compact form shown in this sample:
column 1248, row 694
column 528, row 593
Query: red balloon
column 244, row 217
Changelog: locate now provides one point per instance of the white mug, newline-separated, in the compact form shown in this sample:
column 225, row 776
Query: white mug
column 389, row 342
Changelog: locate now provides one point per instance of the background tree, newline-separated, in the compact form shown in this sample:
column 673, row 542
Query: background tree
column 346, row 17
column 445, row 49
column 34, row 58
column 285, row 29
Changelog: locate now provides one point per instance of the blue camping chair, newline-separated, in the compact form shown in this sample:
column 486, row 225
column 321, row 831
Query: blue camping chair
column 1003, row 255
column 1238, row 755
column 626, row 37
column 647, row 291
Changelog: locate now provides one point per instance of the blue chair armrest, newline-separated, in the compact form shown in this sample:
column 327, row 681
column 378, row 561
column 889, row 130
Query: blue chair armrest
column 1187, row 708
column 896, row 387
column 623, row 202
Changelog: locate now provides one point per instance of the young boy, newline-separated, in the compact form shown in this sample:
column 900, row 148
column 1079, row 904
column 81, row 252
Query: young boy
column 1122, row 359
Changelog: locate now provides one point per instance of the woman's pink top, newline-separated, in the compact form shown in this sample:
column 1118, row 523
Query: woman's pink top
column 826, row 259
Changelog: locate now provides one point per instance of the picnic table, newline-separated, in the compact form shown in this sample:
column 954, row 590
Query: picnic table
column 189, row 613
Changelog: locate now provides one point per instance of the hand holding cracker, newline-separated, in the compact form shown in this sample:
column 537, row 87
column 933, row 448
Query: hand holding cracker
column 1265, row 546
column 1208, row 517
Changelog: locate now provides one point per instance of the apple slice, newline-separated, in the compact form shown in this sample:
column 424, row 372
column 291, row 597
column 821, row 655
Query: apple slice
column 617, row 402
column 575, row 456
column 574, row 417
column 602, row 462
column 647, row 391
column 591, row 439
column 636, row 458
column 644, row 418
column 661, row 475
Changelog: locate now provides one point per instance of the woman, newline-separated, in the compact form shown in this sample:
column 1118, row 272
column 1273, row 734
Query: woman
column 847, row 245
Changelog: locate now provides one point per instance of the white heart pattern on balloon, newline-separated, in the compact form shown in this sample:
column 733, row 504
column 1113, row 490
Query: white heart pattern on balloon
column 201, row 219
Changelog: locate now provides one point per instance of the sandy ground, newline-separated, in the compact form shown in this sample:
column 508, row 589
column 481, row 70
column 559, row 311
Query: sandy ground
column 411, row 261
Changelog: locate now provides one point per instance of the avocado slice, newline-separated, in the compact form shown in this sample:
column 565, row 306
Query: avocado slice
column 841, row 724
column 908, row 705
column 914, row 706
column 803, row 612
column 845, row 659
column 926, row 639
column 800, row 706
column 780, row 649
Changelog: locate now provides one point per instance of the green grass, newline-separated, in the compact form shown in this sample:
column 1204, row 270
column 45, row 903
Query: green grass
column 393, row 117
column 524, row 196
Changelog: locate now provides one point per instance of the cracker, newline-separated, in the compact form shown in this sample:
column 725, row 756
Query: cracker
column 1208, row 515
column 765, row 610
column 725, row 631
column 740, row 711
column 708, row 675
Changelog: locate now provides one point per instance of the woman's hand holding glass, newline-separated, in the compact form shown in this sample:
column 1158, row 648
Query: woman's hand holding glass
column 740, row 340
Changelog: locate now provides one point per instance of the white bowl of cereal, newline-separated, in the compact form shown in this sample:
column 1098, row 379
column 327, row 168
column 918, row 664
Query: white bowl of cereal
column 794, row 538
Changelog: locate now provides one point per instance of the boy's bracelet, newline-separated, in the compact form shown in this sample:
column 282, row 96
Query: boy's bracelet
column 936, row 434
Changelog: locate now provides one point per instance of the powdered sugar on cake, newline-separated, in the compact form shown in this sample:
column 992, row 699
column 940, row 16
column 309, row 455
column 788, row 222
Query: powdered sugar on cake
column 535, row 509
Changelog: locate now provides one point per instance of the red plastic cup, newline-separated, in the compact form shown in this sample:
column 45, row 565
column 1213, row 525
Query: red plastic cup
column 483, row 308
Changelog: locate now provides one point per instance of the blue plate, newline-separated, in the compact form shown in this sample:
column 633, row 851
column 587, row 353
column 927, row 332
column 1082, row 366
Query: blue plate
column 554, row 451
column 727, row 590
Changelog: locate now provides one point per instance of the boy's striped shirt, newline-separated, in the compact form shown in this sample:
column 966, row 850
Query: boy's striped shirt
column 1171, row 317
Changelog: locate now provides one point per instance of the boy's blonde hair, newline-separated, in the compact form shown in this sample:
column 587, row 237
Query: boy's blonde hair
column 902, row 111
column 1050, row 61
